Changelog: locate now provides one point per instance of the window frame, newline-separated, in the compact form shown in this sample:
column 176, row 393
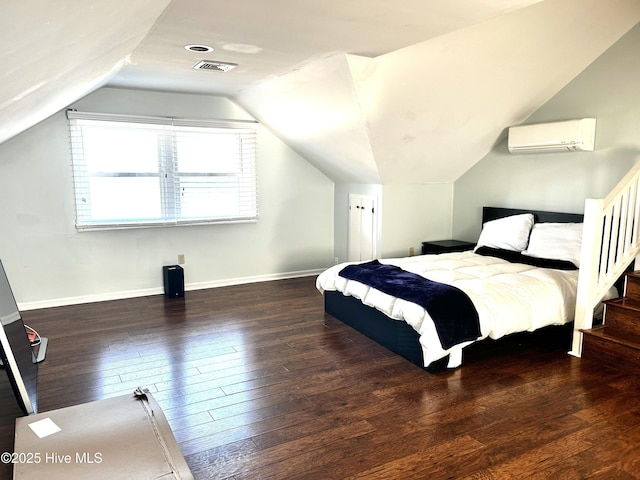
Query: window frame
column 174, row 195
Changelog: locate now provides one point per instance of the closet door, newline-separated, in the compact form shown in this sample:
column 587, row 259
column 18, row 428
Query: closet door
column 362, row 227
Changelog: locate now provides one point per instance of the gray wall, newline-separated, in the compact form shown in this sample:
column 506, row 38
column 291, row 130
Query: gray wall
column 49, row 263
column 609, row 89
column 407, row 216
column 412, row 214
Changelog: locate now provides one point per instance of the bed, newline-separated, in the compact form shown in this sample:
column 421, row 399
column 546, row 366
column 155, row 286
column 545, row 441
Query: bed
column 522, row 276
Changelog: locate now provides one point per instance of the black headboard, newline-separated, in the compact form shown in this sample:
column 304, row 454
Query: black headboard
column 493, row 213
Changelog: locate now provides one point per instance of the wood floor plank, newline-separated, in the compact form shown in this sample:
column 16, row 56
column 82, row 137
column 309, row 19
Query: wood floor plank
column 258, row 382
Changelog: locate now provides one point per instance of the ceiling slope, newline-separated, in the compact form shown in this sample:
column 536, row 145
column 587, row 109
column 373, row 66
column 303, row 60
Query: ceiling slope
column 370, row 91
column 54, row 53
column 428, row 112
column 315, row 110
column 438, row 107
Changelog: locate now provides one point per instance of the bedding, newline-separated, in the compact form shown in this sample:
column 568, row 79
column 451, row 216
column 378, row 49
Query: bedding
column 507, row 233
column 560, row 241
column 523, row 257
column 452, row 311
column 508, row 296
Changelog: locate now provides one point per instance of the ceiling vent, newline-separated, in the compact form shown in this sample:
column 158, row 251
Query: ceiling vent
column 215, row 66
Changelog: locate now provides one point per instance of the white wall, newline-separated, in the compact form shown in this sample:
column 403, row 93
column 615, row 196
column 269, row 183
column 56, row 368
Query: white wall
column 608, row 90
column 49, row 263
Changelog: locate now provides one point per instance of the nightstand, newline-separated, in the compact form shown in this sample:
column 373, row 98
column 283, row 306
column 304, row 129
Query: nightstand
column 446, row 246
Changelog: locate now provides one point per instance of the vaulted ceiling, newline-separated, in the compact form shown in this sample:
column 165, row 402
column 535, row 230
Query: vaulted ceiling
column 369, row 91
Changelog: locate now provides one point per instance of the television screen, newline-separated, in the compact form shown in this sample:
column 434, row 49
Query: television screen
column 16, row 351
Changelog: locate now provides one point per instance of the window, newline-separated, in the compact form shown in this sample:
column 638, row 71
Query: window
column 131, row 171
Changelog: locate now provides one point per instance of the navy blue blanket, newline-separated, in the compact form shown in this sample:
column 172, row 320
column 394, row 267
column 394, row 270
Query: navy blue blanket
column 451, row 310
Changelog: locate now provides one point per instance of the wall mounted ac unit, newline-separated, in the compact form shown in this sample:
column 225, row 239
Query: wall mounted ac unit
column 566, row 136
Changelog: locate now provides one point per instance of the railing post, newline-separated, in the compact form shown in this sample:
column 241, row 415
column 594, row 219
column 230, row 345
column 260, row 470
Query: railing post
column 588, row 273
column 608, row 247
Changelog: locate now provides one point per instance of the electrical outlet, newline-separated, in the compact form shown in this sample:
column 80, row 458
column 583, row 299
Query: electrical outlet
column 411, row 251
column 336, row 260
column 181, row 259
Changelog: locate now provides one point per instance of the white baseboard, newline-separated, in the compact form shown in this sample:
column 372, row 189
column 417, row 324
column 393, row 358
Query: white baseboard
column 102, row 297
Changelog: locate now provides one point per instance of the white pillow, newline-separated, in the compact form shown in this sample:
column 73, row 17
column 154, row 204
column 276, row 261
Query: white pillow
column 558, row 241
column 509, row 233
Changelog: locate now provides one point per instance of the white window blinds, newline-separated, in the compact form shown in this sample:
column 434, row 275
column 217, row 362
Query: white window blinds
column 133, row 171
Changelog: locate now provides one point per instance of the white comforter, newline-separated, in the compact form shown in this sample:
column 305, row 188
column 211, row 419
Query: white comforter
column 509, row 297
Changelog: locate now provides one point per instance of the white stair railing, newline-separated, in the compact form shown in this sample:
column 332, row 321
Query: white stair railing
column 609, row 245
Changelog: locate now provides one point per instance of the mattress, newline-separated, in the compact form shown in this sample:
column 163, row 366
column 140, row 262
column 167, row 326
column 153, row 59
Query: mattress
column 509, row 297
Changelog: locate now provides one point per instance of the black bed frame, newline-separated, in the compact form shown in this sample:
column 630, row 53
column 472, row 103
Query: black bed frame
column 398, row 336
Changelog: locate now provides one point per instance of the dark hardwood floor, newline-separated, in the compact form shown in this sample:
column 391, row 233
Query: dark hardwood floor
column 258, row 383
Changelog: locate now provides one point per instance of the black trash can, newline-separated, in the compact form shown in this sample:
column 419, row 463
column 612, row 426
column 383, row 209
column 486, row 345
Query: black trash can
column 173, row 281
